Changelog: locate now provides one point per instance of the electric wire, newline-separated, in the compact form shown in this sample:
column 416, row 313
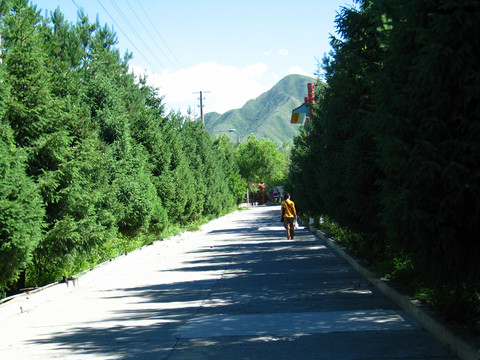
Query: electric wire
column 119, row 28
column 213, row 102
column 126, row 36
column 158, row 33
column 151, row 37
column 134, row 31
column 111, row 17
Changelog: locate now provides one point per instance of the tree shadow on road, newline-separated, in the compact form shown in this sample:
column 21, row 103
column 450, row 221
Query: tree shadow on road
column 249, row 268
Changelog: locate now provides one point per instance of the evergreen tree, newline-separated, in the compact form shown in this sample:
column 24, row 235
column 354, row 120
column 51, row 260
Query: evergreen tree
column 428, row 114
column 109, row 88
column 63, row 46
column 95, row 143
column 79, row 207
column 212, row 193
column 29, row 109
column 175, row 180
column 226, row 150
column 342, row 138
column 147, row 113
column 300, row 181
column 21, row 211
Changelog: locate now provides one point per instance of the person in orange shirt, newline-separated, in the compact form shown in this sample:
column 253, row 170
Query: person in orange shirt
column 289, row 216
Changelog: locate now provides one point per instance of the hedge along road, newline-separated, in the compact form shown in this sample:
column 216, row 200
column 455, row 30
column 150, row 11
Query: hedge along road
column 237, row 289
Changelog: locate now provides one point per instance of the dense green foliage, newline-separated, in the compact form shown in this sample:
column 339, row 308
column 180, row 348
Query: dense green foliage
column 89, row 159
column 429, row 151
column 229, row 152
column 393, row 151
column 21, row 210
column 260, row 161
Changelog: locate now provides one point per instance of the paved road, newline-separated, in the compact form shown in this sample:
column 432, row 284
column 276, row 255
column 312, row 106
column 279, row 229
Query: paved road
column 238, row 289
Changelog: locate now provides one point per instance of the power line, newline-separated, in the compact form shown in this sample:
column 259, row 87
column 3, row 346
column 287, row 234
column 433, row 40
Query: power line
column 134, row 31
column 138, row 36
column 160, row 36
column 126, row 36
column 123, row 16
column 213, row 101
column 150, row 35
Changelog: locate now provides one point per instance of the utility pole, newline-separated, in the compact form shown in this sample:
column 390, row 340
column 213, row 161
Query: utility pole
column 201, row 103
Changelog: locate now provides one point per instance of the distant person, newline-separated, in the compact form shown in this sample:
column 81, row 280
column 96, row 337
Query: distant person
column 289, row 216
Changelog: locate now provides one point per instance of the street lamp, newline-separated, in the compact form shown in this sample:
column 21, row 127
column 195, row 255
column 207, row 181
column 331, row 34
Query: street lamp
column 238, row 136
column 231, row 131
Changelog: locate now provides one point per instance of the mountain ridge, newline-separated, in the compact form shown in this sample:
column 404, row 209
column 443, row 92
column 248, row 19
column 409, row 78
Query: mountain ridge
column 266, row 116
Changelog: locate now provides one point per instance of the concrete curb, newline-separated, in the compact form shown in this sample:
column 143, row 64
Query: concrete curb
column 454, row 343
column 31, row 299
column 23, row 302
column 27, row 301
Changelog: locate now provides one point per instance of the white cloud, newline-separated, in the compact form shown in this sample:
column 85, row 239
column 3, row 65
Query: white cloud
column 225, row 87
column 256, row 70
column 228, row 87
column 297, row 70
column 268, row 52
column 283, row 52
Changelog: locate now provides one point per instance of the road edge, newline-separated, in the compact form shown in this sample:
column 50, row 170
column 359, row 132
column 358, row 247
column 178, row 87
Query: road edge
column 452, row 342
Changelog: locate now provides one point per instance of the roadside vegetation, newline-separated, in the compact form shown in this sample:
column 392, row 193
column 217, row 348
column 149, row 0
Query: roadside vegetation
column 92, row 166
column 392, row 150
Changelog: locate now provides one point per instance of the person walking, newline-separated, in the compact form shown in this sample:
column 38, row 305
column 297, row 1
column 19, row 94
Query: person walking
column 289, row 216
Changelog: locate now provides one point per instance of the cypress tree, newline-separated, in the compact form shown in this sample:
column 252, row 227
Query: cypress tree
column 428, row 114
column 75, row 187
column 174, row 179
column 21, row 212
column 339, row 158
column 212, row 193
column 225, row 148
column 300, row 181
column 98, row 146
column 28, row 112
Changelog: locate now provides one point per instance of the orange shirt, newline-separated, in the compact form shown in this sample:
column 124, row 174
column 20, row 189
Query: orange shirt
column 289, row 208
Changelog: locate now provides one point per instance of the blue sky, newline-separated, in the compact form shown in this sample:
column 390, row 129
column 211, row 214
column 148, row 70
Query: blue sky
column 231, row 50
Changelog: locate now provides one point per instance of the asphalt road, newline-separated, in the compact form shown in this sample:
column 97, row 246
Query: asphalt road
column 237, row 289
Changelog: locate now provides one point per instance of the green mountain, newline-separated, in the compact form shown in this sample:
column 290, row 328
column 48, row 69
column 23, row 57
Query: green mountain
column 266, row 116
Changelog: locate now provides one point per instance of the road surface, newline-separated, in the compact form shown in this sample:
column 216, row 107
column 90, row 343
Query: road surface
column 237, row 289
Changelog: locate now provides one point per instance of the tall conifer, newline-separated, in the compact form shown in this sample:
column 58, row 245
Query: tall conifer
column 429, row 115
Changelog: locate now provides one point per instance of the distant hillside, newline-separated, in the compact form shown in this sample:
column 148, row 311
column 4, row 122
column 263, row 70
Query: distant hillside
column 266, row 116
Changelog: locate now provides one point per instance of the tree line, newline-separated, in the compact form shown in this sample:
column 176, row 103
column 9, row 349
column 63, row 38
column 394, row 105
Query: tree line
column 90, row 160
column 393, row 148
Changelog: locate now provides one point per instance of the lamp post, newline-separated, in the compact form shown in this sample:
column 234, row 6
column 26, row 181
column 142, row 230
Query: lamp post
column 231, row 131
column 238, row 136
